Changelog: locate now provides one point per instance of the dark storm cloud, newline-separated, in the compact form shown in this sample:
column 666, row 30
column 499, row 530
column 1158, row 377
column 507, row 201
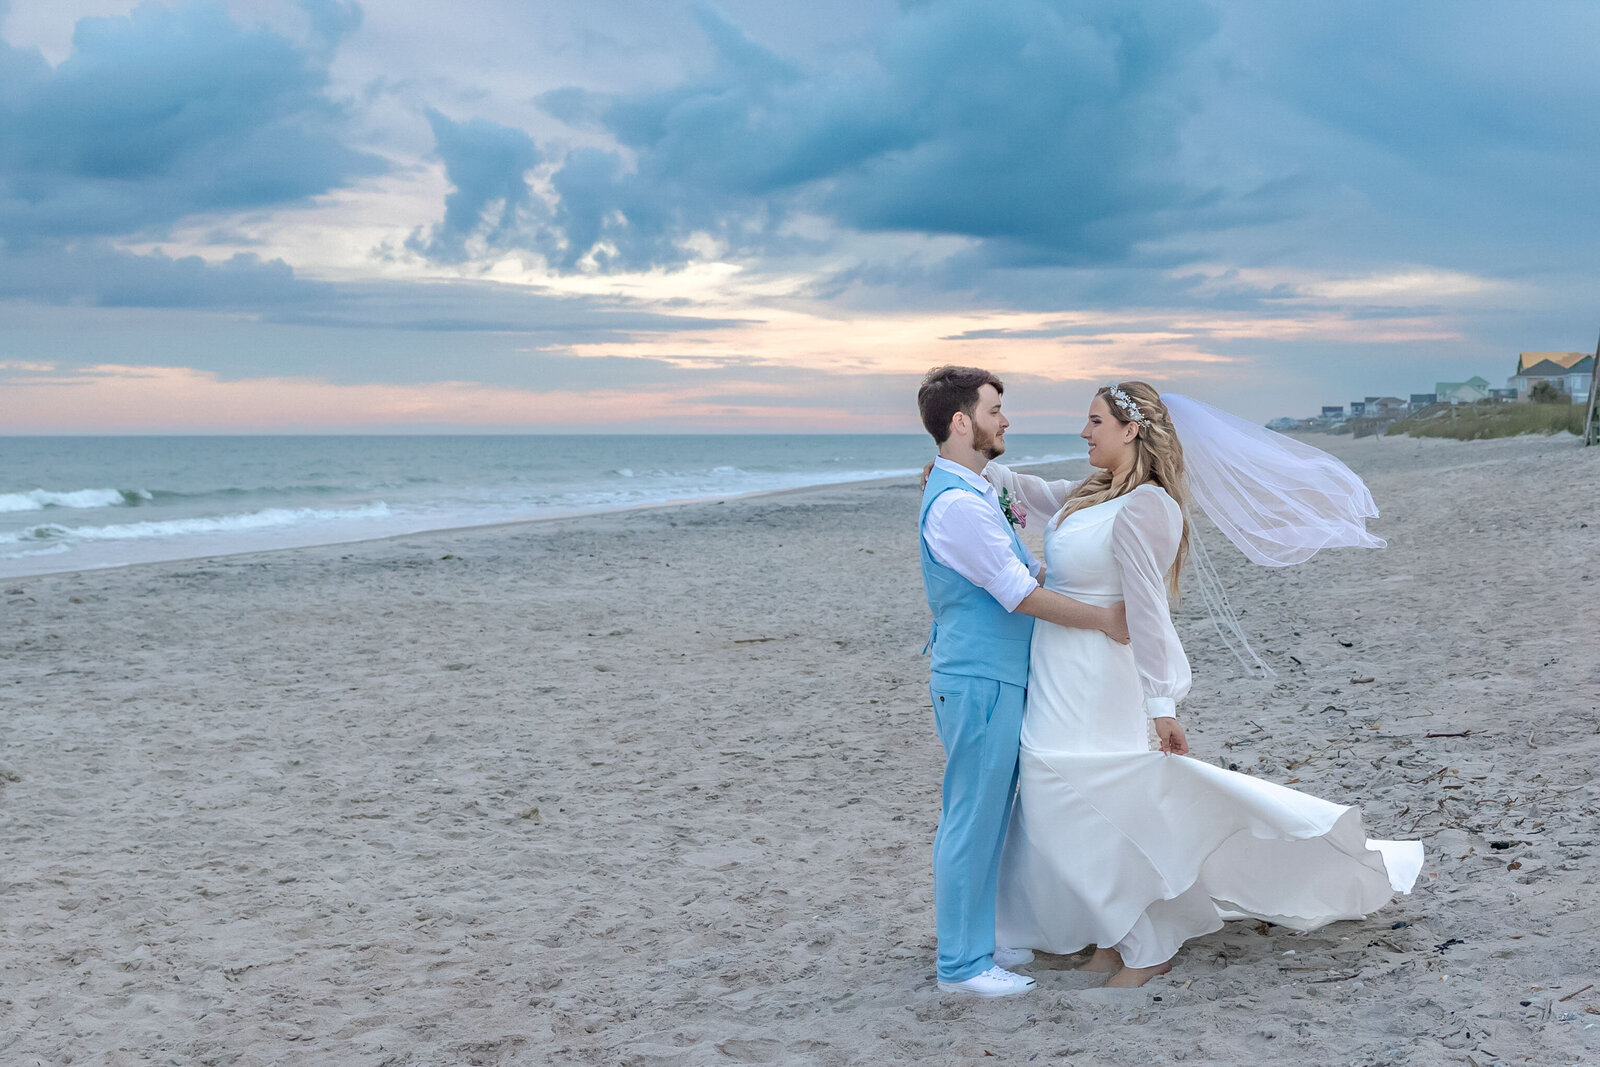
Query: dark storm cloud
column 166, row 113
column 489, row 198
column 1042, row 128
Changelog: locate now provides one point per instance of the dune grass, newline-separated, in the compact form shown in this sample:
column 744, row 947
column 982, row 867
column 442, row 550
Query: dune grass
column 1481, row 421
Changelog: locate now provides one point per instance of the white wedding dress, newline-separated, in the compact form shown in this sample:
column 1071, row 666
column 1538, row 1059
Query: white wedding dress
column 1115, row 845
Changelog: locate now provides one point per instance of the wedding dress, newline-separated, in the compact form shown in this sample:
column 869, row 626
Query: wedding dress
column 1115, row 845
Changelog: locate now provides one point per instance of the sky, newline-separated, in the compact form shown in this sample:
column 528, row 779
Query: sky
column 660, row 216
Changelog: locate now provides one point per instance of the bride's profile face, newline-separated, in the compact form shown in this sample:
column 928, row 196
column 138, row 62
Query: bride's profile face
column 1110, row 441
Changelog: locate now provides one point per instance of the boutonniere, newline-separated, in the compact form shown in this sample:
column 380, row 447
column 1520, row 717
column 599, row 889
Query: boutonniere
column 1015, row 513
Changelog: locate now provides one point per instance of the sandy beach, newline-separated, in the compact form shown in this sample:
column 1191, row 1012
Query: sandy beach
column 660, row 788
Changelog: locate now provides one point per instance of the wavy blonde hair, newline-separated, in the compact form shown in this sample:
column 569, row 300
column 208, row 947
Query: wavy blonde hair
column 1157, row 458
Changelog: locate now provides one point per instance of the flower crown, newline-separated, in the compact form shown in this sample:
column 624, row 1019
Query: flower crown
column 1125, row 402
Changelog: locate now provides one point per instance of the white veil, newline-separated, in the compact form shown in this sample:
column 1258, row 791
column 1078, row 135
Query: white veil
column 1280, row 501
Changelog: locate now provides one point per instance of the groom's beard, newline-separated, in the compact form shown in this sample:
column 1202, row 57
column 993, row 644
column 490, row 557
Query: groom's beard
column 986, row 444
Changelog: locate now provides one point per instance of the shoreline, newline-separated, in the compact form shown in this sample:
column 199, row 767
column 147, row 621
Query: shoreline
column 536, row 521
column 1326, row 442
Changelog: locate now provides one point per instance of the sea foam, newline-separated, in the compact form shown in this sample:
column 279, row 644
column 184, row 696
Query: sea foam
column 39, row 499
column 255, row 520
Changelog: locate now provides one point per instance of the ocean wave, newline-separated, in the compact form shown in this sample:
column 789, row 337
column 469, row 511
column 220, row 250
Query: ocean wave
column 48, row 550
column 1038, row 461
column 255, row 520
column 39, row 499
column 232, row 492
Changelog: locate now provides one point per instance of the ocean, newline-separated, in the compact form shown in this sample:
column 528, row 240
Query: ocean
column 74, row 503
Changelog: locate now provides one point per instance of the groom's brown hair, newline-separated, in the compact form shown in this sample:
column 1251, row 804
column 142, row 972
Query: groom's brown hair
column 947, row 390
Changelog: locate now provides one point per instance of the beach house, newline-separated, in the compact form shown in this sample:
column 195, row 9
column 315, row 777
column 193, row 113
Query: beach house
column 1466, row 392
column 1569, row 372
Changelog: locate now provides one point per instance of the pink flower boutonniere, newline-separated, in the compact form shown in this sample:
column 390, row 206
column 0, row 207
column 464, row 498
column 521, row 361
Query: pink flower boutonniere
column 1015, row 513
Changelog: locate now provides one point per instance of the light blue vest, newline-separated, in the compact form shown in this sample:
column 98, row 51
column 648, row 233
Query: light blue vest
column 972, row 634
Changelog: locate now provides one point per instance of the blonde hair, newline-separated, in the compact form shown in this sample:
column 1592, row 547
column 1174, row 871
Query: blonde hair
column 1157, row 458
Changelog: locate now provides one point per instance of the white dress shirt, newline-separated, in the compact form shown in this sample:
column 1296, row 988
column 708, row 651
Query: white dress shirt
column 968, row 533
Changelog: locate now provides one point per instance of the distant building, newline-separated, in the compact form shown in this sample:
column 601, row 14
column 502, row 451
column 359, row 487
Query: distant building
column 1466, row 392
column 1382, row 406
column 1503, row 395
column 1423, row 400
column 1282, row 424
column 1332, row 413
column 1569, row 372
column 1358, row 408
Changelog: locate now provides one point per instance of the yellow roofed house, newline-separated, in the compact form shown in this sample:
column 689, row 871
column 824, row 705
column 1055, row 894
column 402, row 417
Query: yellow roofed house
column 1569, row 372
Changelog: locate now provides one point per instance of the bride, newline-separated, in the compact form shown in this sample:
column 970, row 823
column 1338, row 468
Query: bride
column 1112, row 844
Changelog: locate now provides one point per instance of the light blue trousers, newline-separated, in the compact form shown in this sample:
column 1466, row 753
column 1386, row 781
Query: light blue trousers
column 979, row 721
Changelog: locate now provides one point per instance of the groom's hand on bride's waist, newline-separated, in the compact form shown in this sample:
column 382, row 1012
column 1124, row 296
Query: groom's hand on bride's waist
column 1051, row 606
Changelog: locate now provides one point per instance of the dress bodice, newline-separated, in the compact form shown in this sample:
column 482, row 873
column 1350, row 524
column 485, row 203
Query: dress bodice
column 1122, row 550
column 1078, row 559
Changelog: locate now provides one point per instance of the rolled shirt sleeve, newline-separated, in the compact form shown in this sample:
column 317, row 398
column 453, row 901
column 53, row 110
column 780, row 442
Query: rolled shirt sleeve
column 967, row 533
column 1144, row 542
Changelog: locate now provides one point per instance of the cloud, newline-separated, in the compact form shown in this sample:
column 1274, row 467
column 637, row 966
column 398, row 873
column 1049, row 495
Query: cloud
column 1444, row 133
column 96, row 274
column 1092, row 134
column 331, row 20
column 1041, row 129
column 547, row 317
column 1447, row 88
column 489, row 201
column 166, row 113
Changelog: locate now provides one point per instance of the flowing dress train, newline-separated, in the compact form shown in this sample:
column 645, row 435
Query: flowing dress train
column 1112, row 844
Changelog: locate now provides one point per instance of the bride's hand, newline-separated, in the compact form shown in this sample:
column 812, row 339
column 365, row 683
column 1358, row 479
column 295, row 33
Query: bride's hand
column 925, row 472
column 1170, row 734
column 1116, row 624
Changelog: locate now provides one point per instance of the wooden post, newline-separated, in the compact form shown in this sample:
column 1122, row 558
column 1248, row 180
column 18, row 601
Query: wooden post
column 1591, row 425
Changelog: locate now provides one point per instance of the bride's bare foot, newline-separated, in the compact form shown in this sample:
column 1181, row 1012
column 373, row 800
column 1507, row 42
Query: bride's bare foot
column 1104, row 961
column 1134, row 977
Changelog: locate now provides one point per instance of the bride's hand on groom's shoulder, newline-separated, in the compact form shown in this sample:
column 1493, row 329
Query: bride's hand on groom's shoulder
column 1170, row 734
column 925, row 472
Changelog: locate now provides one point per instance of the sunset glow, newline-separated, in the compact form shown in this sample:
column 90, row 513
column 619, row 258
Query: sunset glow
column 733, row 221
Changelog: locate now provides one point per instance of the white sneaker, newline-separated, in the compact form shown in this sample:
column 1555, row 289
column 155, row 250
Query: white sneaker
column 995, row 982
column 1012, row 957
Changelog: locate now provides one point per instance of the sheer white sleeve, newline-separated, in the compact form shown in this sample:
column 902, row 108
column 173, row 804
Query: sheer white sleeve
column 1040, row 497
column 1144, row 542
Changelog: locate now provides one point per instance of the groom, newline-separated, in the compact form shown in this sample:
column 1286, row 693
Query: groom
column 984, row 590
